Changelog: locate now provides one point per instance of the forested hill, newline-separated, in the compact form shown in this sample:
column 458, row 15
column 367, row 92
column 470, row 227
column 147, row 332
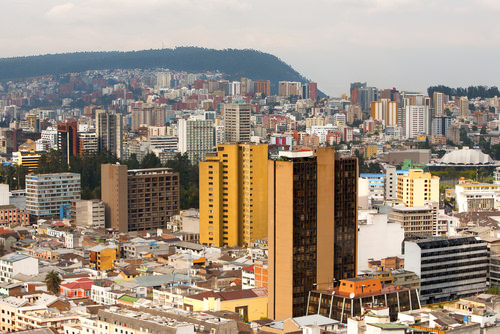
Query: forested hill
column 235, row 63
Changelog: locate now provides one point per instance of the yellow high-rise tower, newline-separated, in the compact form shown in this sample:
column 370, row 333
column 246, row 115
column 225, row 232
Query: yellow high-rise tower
column 233, row 195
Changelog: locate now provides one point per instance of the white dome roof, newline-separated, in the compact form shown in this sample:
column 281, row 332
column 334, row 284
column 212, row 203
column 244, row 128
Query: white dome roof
column 466, row 156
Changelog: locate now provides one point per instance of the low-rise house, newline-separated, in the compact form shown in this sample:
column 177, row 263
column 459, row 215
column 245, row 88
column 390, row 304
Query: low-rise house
column 250, row 304
column 80, row 288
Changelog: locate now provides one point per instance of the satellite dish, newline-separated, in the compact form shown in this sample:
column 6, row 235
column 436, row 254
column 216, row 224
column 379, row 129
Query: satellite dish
column 352, row 295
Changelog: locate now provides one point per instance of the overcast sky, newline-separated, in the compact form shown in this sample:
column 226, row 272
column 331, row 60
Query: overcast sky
column 408, row 44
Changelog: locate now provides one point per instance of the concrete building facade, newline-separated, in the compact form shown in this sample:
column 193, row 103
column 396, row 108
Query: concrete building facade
column 233, row 195
column 139, row 199
column 46, row 193
column 449, row 268
column 308, row 245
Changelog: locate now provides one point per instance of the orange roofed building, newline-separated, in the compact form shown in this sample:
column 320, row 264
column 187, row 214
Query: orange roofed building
column 354, row 296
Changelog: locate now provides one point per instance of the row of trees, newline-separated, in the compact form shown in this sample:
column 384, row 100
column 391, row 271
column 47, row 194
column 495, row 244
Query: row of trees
column 471, row 92
column 89, row 167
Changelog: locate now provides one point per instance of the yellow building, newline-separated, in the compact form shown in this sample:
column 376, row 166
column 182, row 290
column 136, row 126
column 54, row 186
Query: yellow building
column 28, row 159
column 102, row 257
column 233, row 195
column 418, row 187
column 370, row 151
column 250, row 304
column 314, row 121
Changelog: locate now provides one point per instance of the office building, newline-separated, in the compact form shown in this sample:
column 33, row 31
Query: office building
column 415, row 121
column 309, row 247
column 237, row 122
column 463, row 105
column 26, row 159
column 473, row 197
column 449, row 268
column 67, row 139
column 139, row 199
column 262, row 87
column 346, row 301
column 441, row 124
column 418, row 187
column 355, row 87
column 109, row 132
column 49, row 135
column 233, row 195
column 88, row 142
column 290, row 88
column 47, row 193
column 366, row 96
column 417, row 221
column 88, row 213
column 196, row 138
column 384, row 110
column 438, row 101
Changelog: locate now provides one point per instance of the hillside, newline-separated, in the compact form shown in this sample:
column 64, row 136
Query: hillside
column 235, row 63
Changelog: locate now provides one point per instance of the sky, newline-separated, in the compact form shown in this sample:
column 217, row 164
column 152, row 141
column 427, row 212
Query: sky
column 407, row 44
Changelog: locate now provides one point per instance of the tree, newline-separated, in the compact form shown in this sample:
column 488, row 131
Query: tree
column 188, row 179
column 53, row 282
column 150, row 160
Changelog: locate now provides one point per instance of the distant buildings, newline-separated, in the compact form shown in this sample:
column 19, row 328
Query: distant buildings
column 47, row 193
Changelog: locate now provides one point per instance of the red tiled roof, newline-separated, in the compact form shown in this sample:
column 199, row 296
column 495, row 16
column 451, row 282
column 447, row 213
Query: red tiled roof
column 249, row 268
column 82, row 283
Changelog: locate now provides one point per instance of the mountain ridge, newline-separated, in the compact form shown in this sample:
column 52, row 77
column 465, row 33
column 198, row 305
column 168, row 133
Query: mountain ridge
column 235, row 63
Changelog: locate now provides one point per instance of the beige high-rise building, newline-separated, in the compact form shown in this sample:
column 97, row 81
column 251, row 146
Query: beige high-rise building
column 463, row 106
column 237, row 122
column 139, row 199
column 233, row 195
column 109, row 132
column 88, row 213
column 384, row 110
column 312, row 227
column 290, row 88
column 438, row 100
column 418, row 187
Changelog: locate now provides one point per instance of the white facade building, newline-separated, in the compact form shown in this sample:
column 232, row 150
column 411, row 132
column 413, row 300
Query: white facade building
column 46, row 193
column 377, row 238
column 13, row 264
column 477, row 197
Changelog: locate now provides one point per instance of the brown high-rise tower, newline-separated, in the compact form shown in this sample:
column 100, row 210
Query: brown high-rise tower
column 312, row 227
column 139, row 199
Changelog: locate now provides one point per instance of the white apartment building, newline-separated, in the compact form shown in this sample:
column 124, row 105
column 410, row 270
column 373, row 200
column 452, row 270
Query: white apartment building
column 50, row 136
column 14, row 263
column 417, row 120
column 46, row 193
column 196, row 138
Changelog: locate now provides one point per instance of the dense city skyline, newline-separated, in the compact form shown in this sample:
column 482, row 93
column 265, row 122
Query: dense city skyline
column 386, row 43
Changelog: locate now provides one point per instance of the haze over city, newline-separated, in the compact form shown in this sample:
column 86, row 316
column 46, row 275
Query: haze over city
column 407, row 44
